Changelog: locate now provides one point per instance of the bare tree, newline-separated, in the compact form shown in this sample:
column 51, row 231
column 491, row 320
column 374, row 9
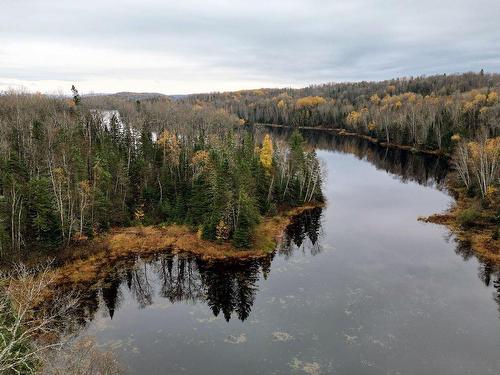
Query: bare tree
column 27, row 329
column 461, row 163
column 81, row 357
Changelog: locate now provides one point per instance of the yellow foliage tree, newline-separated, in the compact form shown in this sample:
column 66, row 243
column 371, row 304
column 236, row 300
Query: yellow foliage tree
column 485, row 162
column 171, row 147
column 310, row 101
column 353, row 118
column 139, row 213
column 411, row 96
column 375, row 99
column 200, row 157
column 480, row 99
column 266, row 153
column 222, row 231
column 492, row 98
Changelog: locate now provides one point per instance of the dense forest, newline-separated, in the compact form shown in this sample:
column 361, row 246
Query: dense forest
column 427, row 113
column 72, row 168
column 456, row 115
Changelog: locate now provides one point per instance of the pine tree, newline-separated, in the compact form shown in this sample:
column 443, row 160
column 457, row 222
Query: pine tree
column 42, row 219
column 248, row 217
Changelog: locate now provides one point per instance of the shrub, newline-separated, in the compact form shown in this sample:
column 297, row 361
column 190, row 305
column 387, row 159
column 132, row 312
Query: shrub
column 495, row 234
column 468, row 217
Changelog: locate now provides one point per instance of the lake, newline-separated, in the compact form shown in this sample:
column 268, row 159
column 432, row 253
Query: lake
column 359, row 287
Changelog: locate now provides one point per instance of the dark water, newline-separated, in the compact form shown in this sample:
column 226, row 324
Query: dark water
column 360, row 287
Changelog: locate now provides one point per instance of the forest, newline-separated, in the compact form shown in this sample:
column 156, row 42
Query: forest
column 71, row 168
column 75, row 169
column 457, row 116
column 425, row 113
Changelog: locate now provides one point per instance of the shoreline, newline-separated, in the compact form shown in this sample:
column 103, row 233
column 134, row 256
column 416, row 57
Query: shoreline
column 122, row 243
column 479, row 234
column 346, row 133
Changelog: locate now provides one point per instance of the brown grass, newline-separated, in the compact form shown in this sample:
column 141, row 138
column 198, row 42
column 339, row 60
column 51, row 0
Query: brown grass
column 479, row 235
column 90, row 261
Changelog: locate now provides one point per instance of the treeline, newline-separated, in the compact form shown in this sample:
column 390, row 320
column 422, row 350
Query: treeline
column 427, row 170
column 427, row 113
column 477, row 165
column 72, row 168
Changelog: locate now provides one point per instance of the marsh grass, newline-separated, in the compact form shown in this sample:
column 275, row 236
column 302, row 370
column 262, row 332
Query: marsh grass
column 124, row 243
column 471, row 221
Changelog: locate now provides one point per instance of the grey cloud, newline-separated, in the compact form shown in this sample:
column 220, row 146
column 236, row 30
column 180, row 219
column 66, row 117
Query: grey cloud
column 297, row 41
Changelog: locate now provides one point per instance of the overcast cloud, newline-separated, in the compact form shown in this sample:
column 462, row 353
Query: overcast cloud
column 185, row 46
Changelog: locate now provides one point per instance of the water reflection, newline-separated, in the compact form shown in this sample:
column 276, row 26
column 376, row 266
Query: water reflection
column 358, row 287
column 427, row 170
column 228, row 289
column 488, row 273
column 304, row 227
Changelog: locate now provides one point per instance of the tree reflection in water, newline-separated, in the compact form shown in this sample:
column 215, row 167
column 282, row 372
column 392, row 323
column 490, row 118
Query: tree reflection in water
column 305, row 227
column 488, row 273
column 230, row 288
column 226, row 287
column 427, row 170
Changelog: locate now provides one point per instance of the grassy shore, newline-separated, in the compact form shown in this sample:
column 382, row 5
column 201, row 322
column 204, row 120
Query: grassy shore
column 89, row 261
column 472, row 222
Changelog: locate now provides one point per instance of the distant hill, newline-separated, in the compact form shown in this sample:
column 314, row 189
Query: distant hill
column 139, row 95
column 128, row 95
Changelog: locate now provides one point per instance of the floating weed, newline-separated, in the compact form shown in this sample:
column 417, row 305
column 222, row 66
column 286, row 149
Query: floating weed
column 282, row 336
column 311, row 368
column 207, row 320
column 350, row 339
column 296, row 364
column 240, row 339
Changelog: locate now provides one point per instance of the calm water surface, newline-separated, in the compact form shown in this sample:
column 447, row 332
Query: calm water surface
column 360, row 287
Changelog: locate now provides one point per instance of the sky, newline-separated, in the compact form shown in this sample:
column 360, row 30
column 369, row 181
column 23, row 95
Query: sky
column 185, row 46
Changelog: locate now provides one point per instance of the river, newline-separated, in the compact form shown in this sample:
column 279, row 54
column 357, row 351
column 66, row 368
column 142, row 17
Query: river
column 359, row 287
